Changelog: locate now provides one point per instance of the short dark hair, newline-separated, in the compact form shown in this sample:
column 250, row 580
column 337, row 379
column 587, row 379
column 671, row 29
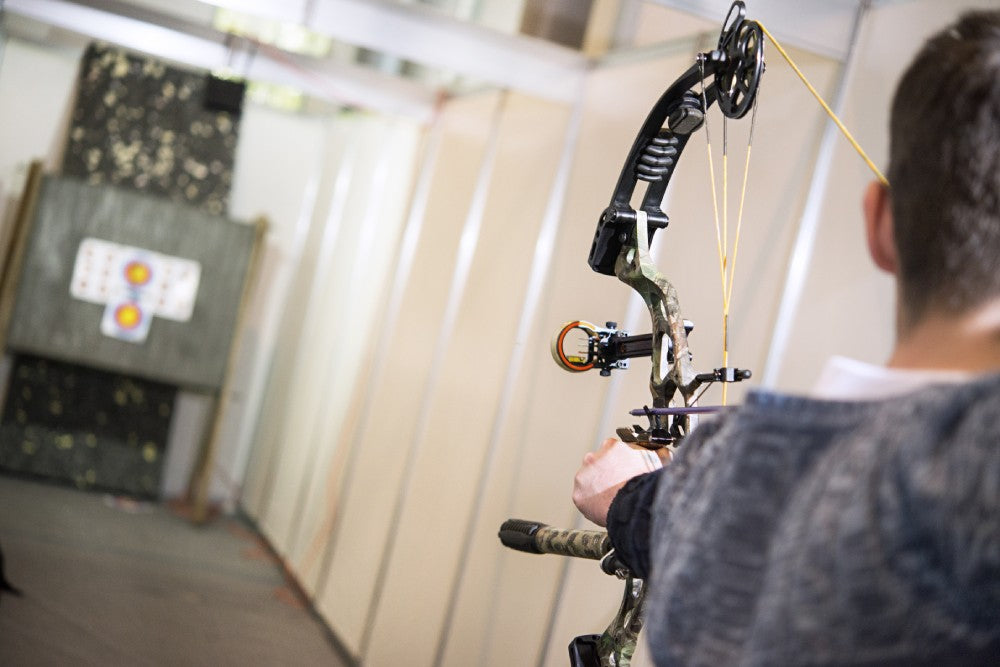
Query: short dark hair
column 944, row 170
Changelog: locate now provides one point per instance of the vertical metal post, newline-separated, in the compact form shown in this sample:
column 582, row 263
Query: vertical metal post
column 805, row 239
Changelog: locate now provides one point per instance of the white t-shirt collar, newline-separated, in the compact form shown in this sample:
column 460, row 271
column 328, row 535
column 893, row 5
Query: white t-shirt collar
column 844, row 379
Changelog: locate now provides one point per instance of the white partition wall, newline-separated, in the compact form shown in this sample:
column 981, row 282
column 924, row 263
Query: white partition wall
column 286, row 262
column 394, row 397
column 390, row 520
column 345, row 245
column 454, row 430
column 847, row 304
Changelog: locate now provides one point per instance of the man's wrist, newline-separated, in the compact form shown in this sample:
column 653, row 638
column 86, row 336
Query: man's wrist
column 629, row 521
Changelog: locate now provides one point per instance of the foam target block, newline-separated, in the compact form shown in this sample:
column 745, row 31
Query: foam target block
column 126, row 282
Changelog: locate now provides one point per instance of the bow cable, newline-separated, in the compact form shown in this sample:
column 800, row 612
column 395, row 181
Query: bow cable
column 743, row 196
column 711, row 165
column 726, row 268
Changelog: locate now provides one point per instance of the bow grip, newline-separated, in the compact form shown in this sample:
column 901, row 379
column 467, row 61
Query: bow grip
column 534, row 537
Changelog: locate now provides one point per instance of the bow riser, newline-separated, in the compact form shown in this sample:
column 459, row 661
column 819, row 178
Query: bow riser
column 636, row 268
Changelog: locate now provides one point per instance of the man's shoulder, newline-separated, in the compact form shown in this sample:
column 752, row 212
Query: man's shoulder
column 960, row 415
column 977, row 394
column 924, row 421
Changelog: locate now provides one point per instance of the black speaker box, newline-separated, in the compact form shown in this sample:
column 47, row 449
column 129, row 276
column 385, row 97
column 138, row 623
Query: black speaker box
column 224, row 94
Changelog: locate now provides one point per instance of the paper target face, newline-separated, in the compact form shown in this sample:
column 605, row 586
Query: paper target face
column 126, row 320
column 134, row 285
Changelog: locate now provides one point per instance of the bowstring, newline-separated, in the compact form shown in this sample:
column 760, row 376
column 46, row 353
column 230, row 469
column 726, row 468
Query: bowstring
column 826, row 107
column 743, row 196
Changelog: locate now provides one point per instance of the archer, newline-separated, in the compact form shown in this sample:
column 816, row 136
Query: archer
column 859, row 525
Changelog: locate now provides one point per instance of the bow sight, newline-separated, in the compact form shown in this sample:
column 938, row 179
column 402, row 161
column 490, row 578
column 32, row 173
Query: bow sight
column 608, row 347
column 581, row 346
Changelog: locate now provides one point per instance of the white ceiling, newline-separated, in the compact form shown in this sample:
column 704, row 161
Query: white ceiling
column 178, row 30
column 820, row 26
column 415, row 33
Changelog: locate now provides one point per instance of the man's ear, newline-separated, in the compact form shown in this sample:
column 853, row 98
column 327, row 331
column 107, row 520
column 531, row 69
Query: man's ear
column 878, row 226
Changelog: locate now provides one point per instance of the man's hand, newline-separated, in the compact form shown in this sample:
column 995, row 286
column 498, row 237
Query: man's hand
column 605, row 472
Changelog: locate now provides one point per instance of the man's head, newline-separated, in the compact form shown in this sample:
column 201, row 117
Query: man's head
column 944, row 173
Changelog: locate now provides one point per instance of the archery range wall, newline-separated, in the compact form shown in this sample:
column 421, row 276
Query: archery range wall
column 291, row 188
column 381, row 475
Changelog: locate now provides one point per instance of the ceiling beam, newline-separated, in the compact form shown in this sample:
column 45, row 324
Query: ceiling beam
column 431, row 38
column 419, row 34
column 819, row 26
column 516, row 62
column 340, row 84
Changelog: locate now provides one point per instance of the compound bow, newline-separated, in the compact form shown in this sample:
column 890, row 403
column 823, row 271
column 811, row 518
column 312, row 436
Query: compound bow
column 728, row 75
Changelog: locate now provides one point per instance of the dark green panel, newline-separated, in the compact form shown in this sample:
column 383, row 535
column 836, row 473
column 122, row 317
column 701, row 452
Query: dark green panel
column 84, row 427
column 48, row 321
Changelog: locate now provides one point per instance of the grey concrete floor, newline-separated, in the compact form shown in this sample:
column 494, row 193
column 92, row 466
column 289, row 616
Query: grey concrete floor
column 111, row 582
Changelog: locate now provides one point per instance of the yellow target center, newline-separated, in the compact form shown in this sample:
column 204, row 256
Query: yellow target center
column 137, row 273
column 128, row 316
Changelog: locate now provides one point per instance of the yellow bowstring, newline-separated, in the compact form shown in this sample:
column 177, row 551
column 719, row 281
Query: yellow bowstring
column 739, row 227
column 826, row 107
